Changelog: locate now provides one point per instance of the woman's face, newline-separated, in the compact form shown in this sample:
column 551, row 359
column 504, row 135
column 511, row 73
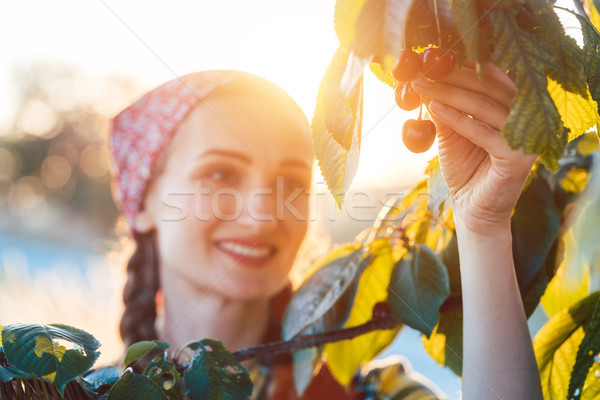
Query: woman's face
column 230, row 206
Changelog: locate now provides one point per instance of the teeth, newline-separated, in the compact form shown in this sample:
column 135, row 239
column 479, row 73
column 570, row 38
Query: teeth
column 255, row 251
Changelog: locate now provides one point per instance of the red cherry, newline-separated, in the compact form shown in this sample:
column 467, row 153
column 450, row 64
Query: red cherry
column 406, row 98
column 418, row 135
column 438, row 63
column 408, row 66
column 381, row 310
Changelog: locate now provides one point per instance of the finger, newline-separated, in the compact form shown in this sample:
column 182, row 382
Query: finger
column 492, row 82
column 478, row 132
column 478, row 105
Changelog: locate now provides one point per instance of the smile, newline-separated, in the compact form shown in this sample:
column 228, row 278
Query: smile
column 254, row 251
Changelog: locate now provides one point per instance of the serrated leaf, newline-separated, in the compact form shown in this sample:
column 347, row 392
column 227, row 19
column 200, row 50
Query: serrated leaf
column 577, row 113
column 383, row 76
column 534, row 123
column 467, row 21
column 418, row 287
column 591, row 56
column 135, row 386
column 99, row 381
column 345, row 16
column 380, row 29
column 445, row 343
column 164, row 373
column 345, row 357
column 322, row 289
column 215, row 374
column 140, row 349
column 336, row 127
column 36, row 349
column 588, row 354
column 556, row 346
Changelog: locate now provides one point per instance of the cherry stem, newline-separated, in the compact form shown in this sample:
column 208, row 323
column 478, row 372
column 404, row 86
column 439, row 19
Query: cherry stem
column 421, row 108
column 437, row 22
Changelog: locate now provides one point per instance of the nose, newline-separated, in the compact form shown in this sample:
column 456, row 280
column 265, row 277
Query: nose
column 259, row 213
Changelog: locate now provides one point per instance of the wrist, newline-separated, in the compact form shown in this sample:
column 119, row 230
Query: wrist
column 467, row 223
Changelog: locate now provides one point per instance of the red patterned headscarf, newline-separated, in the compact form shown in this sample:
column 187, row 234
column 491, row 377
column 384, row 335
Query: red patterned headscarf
column 141, row 132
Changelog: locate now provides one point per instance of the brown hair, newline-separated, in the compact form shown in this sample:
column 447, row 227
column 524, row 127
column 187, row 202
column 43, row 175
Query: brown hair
column 139, row 294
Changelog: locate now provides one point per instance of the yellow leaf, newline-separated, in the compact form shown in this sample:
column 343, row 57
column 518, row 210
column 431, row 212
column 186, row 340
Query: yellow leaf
column 577, row 113
column 575, row 180
column 336, row 127
column 593, row 13
column 344, row 19
column 345, row 358
column 570, row 283
column 383, row 76
column 50, row 377
column 45, row 345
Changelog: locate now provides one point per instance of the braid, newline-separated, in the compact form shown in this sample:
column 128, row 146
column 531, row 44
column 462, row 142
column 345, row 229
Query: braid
column 139, row 295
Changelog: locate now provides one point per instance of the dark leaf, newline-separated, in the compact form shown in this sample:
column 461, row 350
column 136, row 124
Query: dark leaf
column 470, row 29
column 99, row 381
column 215, row 374
column 588, row 354
column 40, row 350
column 419, row 285
column 135, row 386
column 445, row 344
column 534, row 122
column 165, row 375
column 320, row 292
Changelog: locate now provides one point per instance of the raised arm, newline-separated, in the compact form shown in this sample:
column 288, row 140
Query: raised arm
column 485, row 178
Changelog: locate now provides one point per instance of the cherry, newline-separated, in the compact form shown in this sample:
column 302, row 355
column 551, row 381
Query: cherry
column 418, row 135
column 408, row 66
column 381, row 310
column 406, row 98
column 437, row 63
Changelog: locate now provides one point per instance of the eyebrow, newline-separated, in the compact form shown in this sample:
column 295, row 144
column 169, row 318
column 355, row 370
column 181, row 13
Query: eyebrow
column 244, row 158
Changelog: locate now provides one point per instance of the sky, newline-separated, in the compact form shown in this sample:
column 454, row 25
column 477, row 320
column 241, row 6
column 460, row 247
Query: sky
column 288, row 42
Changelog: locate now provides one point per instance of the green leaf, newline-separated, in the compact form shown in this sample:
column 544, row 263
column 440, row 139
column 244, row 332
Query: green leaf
column 556, row 345
column 40, row 350
column 306, row 363
column 215, row 374
column 474, row 36
column 164, row 373
column 419, row 285
column 345, row 357
column 135, row 386
column 99, row 381
column 534, row 225
column 591, row 56
column 445, row 343
column 8, row 374
column 450, row 259
column 140, row 349
column 534, row 123
column 587, row 355
column 337, row 125
column 320, row 292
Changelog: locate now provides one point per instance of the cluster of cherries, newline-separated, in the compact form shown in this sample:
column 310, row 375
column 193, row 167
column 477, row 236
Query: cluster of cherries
column 435, row 63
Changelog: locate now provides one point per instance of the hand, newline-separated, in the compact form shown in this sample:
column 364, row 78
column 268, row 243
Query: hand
column 485, row 177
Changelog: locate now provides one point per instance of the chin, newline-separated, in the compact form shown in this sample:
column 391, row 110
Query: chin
column 257, row 290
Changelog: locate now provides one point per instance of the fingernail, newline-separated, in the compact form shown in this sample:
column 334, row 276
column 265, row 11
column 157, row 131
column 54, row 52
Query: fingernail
column 436, row 106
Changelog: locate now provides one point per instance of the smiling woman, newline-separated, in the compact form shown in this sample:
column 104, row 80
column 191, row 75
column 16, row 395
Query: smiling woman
column 231, row 153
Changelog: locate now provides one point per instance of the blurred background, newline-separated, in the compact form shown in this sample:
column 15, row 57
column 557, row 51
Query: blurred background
column 68, row 66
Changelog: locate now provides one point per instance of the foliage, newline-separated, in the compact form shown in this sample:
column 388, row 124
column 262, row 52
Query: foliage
column 557, row 81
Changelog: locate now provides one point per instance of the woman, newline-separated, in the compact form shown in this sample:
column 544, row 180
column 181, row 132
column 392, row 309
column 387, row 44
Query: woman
column 211, row 172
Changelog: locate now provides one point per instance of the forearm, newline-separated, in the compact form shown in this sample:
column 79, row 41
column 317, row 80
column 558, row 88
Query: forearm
column 498, row 358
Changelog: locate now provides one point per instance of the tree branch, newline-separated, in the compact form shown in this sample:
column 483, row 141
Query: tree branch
column 304, row 342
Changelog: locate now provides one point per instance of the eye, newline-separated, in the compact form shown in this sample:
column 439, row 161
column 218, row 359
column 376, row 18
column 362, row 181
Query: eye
column 292, row 183
column 222, row 175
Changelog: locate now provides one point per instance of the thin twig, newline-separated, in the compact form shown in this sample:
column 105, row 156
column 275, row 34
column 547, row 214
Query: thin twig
column 304, row 342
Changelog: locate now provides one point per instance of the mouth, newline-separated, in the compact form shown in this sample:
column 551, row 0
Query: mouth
column 253, row 254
